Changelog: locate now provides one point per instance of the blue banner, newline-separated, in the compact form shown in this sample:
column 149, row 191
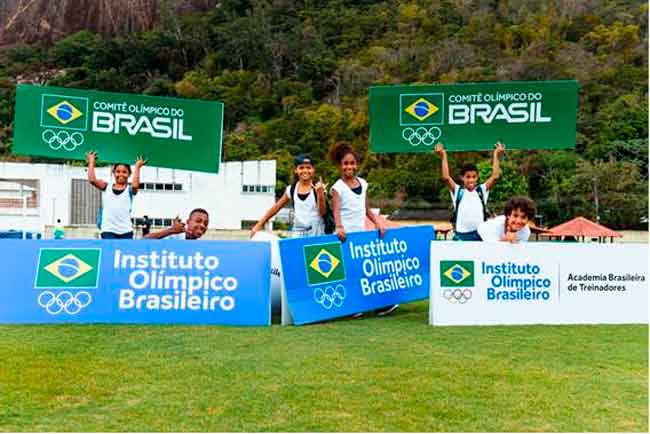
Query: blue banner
column 144, row 281
column 326, row 279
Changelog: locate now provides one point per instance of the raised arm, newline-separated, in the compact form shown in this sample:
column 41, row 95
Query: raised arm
column 321, row 194
column 277, row 206
column 444, row 168
column 135, row 182
column 499, row 150
column 91, row 157
column 177, row 227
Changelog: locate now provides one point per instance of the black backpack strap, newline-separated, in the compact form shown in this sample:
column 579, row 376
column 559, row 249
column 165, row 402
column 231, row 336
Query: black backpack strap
column 292, row 191
column 459, row 196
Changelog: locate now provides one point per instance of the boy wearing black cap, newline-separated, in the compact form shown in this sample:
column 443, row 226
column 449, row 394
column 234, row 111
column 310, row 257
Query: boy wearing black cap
column 309, row 201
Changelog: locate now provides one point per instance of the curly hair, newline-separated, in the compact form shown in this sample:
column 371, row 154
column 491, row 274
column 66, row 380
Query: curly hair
column 340, row 149
column 523, row 204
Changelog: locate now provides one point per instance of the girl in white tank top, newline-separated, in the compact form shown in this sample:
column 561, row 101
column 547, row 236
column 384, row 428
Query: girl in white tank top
column 114, row 220
column 349, row 195
column 350, row 202
column 308, row 201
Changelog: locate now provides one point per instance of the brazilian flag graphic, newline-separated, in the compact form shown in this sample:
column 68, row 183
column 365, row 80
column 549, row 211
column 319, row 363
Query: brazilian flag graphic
column 324, row 263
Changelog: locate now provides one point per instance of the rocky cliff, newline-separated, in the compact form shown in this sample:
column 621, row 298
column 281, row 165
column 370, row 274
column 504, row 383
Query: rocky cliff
column 48, row 20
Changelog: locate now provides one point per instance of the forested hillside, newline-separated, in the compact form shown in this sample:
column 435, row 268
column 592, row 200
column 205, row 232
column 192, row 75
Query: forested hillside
column 294, row 77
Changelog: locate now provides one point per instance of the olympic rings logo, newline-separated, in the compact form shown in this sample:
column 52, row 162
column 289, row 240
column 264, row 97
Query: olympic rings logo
column 330, row 296
column 62, row 139
column 460, row 296
column 64, row 301
column 421, row 136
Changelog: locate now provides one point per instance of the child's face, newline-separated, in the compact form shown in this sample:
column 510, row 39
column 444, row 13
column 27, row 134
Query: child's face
column 516, row 220
column 470, row 178
column 304, row 172
column 349, row 166
column 121, row 174
column 196, row 225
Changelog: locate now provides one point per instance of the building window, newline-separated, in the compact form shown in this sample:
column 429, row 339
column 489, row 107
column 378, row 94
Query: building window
column 248, row 224
column 247, row 188
column 139, row 221
column 159, row 186
column 19, row 193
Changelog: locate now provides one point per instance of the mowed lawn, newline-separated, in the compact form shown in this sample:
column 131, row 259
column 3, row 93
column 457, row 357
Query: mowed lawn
column 374, row 374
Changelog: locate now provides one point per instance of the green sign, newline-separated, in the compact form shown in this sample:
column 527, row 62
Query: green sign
column 463, row 117
column 68, row 268
column 168, row 132
column 456, row 273
column 324, row 263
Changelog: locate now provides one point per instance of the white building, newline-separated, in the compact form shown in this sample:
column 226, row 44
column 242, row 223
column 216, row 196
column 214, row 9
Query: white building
column 35, row 195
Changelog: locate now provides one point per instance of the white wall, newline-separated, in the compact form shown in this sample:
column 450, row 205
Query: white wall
column 220, row 194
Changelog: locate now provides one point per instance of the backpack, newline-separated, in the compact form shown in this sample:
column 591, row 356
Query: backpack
column 459, row 196
column 328, row 218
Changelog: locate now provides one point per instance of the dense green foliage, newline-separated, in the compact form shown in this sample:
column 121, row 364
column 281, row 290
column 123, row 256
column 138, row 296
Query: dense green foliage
column 294, row 77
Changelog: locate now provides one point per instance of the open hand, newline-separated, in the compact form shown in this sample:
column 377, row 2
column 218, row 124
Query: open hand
column 440, row 150
column 91, row 157
column 499, row 149
column 140, row 161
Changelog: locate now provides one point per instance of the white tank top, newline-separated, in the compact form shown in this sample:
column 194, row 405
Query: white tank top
column 115, row 213
column 353, row 206
column 305, row 212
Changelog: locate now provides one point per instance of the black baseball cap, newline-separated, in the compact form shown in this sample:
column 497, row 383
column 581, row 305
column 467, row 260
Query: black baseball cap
column 304, row 159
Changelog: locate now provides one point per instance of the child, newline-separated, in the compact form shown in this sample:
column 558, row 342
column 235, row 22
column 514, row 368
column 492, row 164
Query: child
column 350, row 201
column 197, row 224
column 114, row 219
column 469, row 200
column 308, row 200
column 513, row 225
column 349, row 194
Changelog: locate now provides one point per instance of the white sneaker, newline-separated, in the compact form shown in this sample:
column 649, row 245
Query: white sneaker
column 386, row 310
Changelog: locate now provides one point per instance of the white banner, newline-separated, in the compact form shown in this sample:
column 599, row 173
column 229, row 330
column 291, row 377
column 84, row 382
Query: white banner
column 475, row 283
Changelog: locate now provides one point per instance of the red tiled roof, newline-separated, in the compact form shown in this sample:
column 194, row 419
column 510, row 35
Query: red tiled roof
column 581, row 227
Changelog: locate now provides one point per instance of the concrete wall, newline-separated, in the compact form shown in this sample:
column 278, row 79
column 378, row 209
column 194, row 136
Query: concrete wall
column 220, row 194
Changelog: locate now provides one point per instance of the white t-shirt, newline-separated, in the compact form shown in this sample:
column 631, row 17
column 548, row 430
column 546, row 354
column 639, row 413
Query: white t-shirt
column 353, row 205
column 115, row 213
column 306, row 218
column 470, row 210
column 181, row 236
column 494, row 230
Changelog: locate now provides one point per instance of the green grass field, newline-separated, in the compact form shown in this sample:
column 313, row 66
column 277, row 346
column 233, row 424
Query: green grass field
column 374, row 374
